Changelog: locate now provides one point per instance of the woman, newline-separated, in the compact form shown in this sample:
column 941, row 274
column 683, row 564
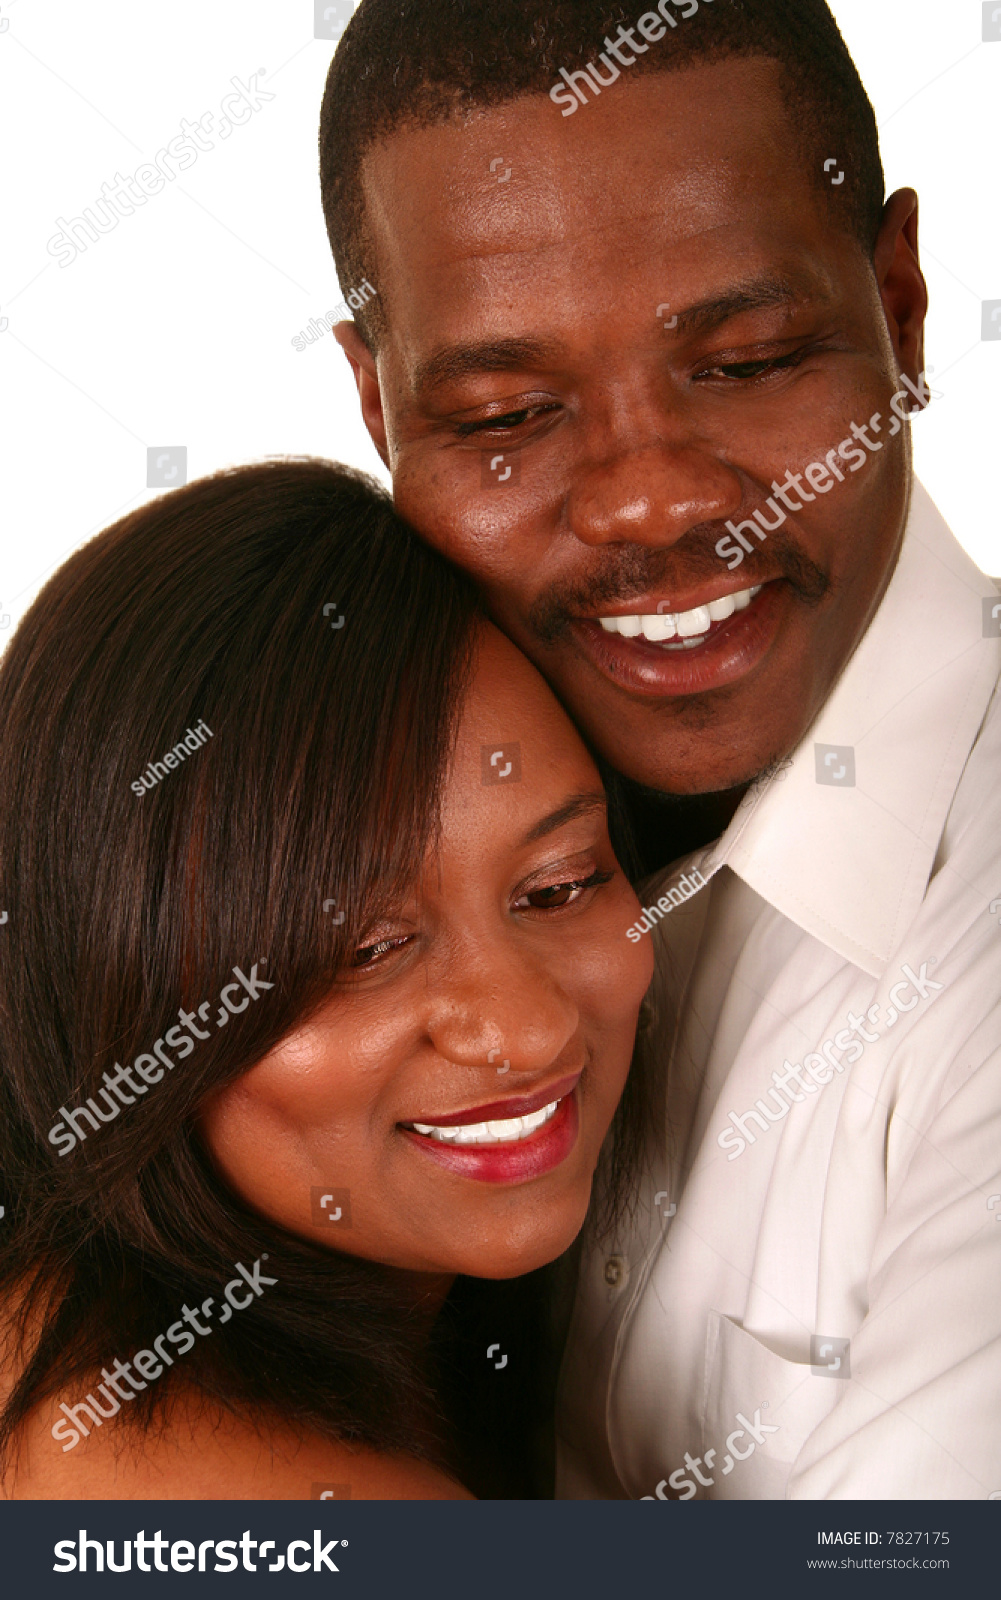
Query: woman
column 315, row 1008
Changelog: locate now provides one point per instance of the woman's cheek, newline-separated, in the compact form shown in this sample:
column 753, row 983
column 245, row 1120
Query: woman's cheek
column 630, row 961
column 615, row 975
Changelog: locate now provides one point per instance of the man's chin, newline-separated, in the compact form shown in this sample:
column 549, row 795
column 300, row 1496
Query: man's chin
column 668, row 783
column 697, row 749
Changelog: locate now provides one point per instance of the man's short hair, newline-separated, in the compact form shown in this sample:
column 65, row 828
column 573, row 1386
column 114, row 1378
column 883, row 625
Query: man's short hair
column 417, row 63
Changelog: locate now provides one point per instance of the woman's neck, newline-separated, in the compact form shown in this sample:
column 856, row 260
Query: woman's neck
column 425, row 1293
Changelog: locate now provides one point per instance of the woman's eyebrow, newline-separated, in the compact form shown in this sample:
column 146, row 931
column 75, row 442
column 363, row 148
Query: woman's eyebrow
column 577, row 806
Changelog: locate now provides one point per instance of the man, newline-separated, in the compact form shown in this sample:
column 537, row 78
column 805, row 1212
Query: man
column 645, row 340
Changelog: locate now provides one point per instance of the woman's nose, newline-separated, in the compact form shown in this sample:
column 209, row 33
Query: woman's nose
column 509, row 1012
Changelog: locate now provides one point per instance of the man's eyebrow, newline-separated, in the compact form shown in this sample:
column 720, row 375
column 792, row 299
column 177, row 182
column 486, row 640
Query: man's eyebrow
column 456, row 361
column 488, row 355
column 579, row 805
column 755, row 295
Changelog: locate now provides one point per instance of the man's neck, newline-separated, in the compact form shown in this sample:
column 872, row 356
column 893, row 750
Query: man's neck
column 666, row 826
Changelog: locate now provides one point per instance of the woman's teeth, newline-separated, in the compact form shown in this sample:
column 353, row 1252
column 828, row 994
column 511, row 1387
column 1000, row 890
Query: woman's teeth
column 690, row 627
column 488, row 1132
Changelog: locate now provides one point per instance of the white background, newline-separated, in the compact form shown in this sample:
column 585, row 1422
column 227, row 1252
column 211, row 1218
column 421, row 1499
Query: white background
column 176, row 328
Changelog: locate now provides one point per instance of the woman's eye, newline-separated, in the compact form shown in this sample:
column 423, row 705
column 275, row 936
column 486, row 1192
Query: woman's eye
column 557, row 895
column 367, row 953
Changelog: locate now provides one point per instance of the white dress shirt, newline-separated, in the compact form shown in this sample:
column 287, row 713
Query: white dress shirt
column 843, row 967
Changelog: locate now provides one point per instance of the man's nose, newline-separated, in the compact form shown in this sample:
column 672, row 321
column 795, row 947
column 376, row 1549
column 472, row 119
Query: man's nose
column 507, row 1012
column 651, row 495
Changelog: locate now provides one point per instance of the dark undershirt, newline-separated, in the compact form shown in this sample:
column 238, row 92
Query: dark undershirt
column 650, row 829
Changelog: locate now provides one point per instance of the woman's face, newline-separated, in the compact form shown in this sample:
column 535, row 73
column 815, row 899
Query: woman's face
column 505, row 990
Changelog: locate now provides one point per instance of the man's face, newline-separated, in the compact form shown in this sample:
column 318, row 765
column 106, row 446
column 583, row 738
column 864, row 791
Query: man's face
column 531, row 319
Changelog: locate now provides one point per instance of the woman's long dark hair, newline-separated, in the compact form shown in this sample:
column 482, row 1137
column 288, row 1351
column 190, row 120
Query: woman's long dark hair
column 286, row 608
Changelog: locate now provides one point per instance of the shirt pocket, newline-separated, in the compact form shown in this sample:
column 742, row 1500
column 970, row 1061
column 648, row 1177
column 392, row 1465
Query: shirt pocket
column 758, row 1411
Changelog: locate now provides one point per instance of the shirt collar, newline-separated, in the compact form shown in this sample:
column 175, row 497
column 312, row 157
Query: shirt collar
column 850, row 864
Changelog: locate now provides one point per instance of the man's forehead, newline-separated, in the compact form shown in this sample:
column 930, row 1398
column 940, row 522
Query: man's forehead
column 691, row 124
column 476, row 208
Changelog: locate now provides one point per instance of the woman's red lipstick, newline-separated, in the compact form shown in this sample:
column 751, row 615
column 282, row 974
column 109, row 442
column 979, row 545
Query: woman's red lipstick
column 508, row 1160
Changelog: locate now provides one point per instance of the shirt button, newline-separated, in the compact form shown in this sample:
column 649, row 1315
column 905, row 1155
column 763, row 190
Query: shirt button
column 616, row 1271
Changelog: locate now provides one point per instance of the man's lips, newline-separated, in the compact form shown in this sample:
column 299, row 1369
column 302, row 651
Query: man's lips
column 725, row 652
column 500, row 1110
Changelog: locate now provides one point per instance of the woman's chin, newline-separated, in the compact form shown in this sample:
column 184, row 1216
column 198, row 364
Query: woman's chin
column 521, row 1249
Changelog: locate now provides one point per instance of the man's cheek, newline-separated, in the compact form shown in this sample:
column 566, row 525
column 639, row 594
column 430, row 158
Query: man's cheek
column 435, row 505
column 493, row 554
column 478, row 505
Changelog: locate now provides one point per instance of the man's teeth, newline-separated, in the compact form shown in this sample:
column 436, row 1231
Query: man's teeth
column 489, row 1132
column 690, row 627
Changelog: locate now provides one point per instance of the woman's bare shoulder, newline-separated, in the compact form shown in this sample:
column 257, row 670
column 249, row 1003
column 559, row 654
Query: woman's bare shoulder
column 205, row 1453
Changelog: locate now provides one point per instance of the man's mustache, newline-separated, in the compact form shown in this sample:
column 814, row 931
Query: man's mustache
column 622, row 572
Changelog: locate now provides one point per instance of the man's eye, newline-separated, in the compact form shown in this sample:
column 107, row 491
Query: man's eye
column 557, row 895
column 745, row 370
column 511, row 419
column 505, row 423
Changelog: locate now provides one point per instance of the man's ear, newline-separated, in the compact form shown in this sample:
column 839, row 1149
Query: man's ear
column 367, row 378
column 901, row 284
